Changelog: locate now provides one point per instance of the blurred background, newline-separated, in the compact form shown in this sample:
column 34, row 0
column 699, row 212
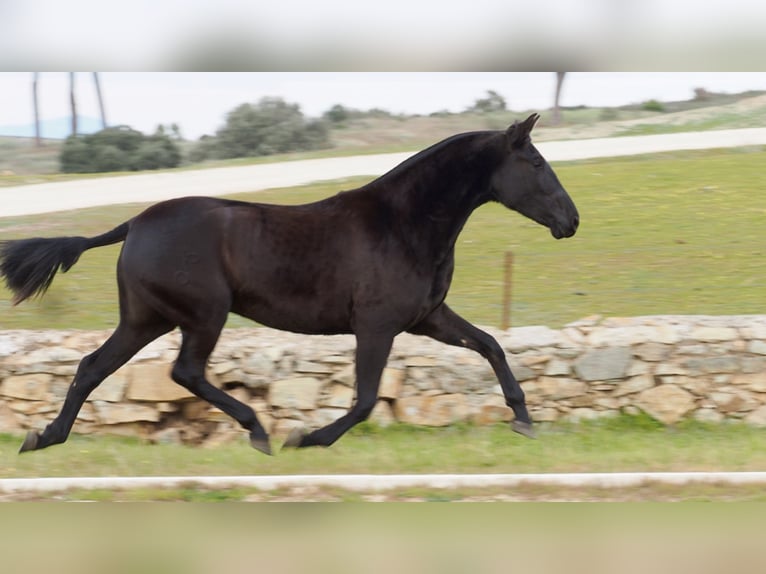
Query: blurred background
column 399, row 34
column 672, row 233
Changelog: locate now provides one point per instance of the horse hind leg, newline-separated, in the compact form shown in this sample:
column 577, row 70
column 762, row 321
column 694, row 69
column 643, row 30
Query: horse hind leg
column 189, row 372
column 371, row 357
column 125, row 342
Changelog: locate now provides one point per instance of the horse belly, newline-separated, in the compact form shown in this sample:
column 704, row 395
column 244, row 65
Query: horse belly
column 308, row 315
column 296, row 297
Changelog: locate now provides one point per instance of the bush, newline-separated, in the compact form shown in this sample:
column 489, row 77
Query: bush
column 269, row 127
column 75, row 156
column 118, row 149
column 336, row 114
column 493, row 102
column 653, row 106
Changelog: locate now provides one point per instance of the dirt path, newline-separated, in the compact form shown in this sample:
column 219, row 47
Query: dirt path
column 153, row 187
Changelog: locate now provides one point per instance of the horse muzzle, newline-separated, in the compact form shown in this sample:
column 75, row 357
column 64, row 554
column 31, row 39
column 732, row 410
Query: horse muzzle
column 568, row 229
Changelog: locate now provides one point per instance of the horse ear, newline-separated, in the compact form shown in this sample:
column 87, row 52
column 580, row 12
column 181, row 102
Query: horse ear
column 518, row 133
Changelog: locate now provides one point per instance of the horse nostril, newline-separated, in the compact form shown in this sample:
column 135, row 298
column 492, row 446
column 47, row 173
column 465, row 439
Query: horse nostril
column 576, row 222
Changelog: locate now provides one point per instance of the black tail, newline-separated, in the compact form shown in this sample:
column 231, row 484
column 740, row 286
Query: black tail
column 29, row 265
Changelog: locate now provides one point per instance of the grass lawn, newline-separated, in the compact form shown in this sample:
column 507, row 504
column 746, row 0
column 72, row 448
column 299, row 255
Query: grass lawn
column 626, row 443
column 675, row 233
column 619, row 445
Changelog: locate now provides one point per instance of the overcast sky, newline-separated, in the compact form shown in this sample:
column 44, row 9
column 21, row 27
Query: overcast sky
column 198, row 102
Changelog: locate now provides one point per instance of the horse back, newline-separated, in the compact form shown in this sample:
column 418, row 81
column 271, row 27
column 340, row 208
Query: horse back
column 311, row 268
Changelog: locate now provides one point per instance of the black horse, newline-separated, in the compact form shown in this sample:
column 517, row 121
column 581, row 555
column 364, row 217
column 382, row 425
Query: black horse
column 374, row 262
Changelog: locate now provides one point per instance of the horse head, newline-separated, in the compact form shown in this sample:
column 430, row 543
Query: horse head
column 525, row 182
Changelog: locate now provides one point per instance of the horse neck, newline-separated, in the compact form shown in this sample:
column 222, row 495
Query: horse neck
column 437, row 190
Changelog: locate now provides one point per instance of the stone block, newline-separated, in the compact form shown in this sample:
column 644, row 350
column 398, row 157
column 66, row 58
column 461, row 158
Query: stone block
column 223, row 367
column 604, row 364
column 714, row 334
column 337, row 396
column 295, row 393
column 520, row 339
column 653, row 352
column 313, row 368
column 544, row 414
column 672, row 368
column 492, row 410
column 754, row 331
column 53, row 360
column 382, row 414
column 324, row 416
column 259, row 365
column 391, row 383
column 666, row 403
column 522, row 373
column 233, row 376
column 87, row 413
column 25, row 407
column 10, row 422
column 558, row 367
column 169, row 435
column 420, row 361
column 708, row 365
column 753, row 365
column 112, row 414
column 194, row 410
column 634, row 385
column 32, row 387
column 345, row 376
column 534, row 360
column 112, row 389
column 152, row 382
column 557, row 388
column 439, row 410
column 753, row 381
column 140, row 429
column 757, row 417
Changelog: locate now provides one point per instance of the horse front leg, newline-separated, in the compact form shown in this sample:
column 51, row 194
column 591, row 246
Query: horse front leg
column 371, row 357
column 444, row 325
column 125, row 342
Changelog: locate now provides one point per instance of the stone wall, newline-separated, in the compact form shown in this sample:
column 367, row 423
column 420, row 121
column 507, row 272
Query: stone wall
column 671, row 367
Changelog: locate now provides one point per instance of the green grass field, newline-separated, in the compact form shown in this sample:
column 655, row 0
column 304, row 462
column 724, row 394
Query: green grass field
column 622, row 444
column 675, row 233
column 672, row 233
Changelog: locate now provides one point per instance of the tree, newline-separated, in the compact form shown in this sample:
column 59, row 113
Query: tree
column 271, row 126
column 556, row 98
column 36, row 105
column 336, row 114
column 73, row 103
column 100, row 96
column 119, row 149
column 493, row 102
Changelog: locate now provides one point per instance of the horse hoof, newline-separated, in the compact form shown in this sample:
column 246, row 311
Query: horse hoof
column 523, row 428
column 261, row 444
column 294, row 438
column 30, row 442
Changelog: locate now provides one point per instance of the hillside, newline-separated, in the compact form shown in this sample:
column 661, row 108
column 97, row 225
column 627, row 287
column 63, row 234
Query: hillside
column 21, row 162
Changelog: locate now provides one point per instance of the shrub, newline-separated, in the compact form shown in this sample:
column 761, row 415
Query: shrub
column 493, row 102
column 653, row 106
column 75, row 156
column 336, row 114
column 269, row 127
column 118, row 149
